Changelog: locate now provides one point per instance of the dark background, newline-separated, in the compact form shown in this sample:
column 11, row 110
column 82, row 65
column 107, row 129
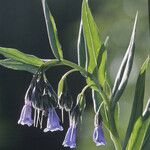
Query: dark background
column 22, row 26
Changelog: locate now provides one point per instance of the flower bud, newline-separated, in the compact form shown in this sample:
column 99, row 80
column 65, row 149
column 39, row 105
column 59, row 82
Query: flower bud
column 65, row 99
column 81, row 102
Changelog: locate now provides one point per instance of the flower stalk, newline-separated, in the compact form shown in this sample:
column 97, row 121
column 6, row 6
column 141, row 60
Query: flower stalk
column 112, row 125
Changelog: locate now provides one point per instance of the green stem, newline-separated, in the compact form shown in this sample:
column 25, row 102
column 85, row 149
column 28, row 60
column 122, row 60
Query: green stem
column 113, row 130
column 116, row 142
column 56, row 62
column 69, row 72
column 85, row 88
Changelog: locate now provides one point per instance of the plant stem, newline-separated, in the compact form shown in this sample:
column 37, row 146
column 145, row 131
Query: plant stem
column 112, row 125
column 113, row 129
column 116, row 142
column 56, row 62
column 85, row 88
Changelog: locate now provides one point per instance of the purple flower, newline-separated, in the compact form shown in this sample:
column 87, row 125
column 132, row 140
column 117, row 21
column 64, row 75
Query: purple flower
column 26, row 114
column 53, row 121
column 98, row 136
column 70, row 138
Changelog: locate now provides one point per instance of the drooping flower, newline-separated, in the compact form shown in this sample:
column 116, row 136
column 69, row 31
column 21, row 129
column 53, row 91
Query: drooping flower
column 65, row 100
column 98, row 136
column 53, row 121
column 26, row 114
column 42, row 97
column 70, row 138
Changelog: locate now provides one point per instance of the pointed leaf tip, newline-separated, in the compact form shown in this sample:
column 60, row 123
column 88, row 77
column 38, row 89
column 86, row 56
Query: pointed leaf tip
column 137, row 107
column 145, row 65
column 125, row 67
column 52, row 31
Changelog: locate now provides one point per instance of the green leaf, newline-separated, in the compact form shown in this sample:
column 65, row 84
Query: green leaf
column 146, row 143
column 137, row 107
column 146, row 114
column 91, row 35
column 16, row 55
column 101, row 62
column 138, row 134
column 82, row 49
column 15, row 65
column 52, row 31
column 125, row 68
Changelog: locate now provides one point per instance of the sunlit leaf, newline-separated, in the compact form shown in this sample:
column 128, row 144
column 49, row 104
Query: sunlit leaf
column 16, row 55
column 125, row 68
column 91, row 36
column 82, row 49
column 52, row 31
column 101, row 62
column 15, row 65
column 137, row 107
column 138, row 134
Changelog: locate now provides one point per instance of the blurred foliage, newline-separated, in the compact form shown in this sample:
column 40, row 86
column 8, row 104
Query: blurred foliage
column 22, row 26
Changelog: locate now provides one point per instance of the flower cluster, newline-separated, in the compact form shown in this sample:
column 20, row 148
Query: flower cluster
column 41, row 98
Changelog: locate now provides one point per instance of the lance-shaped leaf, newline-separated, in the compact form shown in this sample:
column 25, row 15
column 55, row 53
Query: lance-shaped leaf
column 139, row 130
column 52, row 31
column 146, row 143
column 91, row 36
column 137, row 107
column 82, row 49
column 16, row 65
column 101, row 62
column 125, row 68
column 16, row 55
